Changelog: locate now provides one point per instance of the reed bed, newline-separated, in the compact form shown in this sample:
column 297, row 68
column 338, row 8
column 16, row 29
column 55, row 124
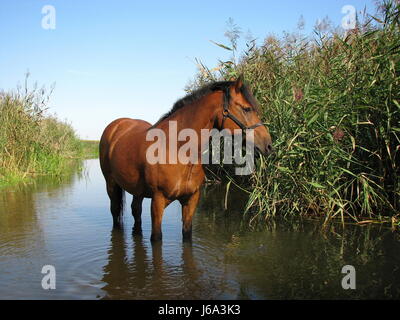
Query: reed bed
column 32, row 142
column 332, row 103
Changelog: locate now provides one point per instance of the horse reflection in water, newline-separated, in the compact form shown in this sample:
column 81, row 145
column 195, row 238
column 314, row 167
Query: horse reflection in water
column 134, row 273
column 137, row 269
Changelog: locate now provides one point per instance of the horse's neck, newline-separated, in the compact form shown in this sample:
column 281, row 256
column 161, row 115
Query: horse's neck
column 196, row 116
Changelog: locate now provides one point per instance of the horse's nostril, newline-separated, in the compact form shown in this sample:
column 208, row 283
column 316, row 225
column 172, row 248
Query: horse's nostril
column 269, row 148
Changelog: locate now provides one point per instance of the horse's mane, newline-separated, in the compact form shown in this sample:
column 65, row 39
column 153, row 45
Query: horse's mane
column 203, row 91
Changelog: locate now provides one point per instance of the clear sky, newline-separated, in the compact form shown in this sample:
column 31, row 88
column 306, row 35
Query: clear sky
column 112, row 59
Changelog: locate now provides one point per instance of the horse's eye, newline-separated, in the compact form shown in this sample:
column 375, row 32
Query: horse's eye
column 246, row 109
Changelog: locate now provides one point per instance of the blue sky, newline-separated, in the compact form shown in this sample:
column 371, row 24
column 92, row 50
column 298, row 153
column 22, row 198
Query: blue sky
column 112, row 59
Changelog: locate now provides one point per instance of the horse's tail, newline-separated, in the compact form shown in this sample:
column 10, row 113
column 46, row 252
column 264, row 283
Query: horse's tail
column 121, row 199
column 117, row 197
column 115, row 192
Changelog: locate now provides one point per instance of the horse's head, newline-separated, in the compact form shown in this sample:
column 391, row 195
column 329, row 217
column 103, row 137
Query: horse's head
column 240, row 111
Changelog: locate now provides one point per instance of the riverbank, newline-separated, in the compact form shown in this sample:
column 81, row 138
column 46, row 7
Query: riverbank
column 90, row 149
column 33, row 142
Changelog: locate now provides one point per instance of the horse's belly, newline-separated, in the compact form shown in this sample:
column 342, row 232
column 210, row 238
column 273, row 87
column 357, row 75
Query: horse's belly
column 179, row 181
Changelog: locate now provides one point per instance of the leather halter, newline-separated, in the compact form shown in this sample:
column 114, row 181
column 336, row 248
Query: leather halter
column 227, row 114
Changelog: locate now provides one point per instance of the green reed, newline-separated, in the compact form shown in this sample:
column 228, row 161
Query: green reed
column 332, row 104
column 31, row 141
column 90, row 149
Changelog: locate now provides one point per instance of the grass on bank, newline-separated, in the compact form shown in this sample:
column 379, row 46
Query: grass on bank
column 332, row 104
column 33, row 142
column 90, row 149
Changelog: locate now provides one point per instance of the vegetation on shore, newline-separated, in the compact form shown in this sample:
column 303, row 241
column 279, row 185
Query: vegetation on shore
column 33, row 142
column 90, row 149
column 332, row 104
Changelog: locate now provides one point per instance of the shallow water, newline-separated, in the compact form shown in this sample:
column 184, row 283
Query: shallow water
column 66, row 223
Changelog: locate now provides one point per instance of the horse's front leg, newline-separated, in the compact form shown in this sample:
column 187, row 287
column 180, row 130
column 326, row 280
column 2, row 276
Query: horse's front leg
column 188, row 208
column 158, row 204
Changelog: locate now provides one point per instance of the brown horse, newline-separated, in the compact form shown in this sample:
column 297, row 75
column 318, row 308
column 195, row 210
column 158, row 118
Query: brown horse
column 123, row 149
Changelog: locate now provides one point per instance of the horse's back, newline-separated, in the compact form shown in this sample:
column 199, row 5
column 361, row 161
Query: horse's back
column 121, row 126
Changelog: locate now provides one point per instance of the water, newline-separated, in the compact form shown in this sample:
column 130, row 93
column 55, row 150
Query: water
column 67, row 224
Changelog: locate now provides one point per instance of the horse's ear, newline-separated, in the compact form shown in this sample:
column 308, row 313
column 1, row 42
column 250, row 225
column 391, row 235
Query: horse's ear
column 239, row 83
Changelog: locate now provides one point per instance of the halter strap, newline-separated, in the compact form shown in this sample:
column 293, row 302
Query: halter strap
column 227, row 114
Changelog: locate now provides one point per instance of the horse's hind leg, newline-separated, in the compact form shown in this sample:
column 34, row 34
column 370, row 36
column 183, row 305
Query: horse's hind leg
column 137, row 214
column 116, row 195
